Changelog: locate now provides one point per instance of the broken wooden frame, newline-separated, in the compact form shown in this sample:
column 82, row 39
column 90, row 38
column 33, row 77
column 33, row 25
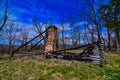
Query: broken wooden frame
column 92, row 53
column 41, row 34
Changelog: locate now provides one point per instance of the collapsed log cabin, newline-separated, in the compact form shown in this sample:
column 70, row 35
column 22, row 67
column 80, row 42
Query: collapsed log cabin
column 93, row 52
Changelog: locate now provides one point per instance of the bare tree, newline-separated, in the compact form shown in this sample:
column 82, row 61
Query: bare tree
column 10, row 36
column 39, row 28
column 86, row 34
column 109, row 32
column 63, row 33
column 93, row 16
column 5, row 17
column 37, row 25
column 23, row 37
column 71, row 26
column 76, row 33
column 92, row 33
column 75, row 30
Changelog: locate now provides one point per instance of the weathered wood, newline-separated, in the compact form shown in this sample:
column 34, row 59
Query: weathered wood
column 26, row 43
column 91, row 54
column 78, row 47
column 36, row 44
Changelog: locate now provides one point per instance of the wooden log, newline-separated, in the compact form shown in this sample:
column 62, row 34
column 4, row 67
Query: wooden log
column 81, row 46
column 26, row 43
column 36, row 44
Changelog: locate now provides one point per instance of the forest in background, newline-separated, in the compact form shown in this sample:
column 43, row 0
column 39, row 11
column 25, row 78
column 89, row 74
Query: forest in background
column 100, row 22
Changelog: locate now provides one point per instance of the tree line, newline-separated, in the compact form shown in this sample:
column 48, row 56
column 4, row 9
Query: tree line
column 97, row 18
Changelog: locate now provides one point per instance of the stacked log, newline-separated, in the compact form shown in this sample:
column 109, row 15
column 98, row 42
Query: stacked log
column 93, row 53
column 97, row 56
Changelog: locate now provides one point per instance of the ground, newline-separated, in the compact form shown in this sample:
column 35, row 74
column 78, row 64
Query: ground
column 53, row 69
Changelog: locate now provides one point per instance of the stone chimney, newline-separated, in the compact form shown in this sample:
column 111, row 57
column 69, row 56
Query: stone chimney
column 51, row 44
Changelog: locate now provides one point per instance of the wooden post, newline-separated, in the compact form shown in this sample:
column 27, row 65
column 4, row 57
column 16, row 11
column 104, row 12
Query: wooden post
column 51, row 44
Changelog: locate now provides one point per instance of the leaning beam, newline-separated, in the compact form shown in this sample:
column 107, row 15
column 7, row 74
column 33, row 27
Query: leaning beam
column 37, row 43
column 97, row 43
column 27, row 43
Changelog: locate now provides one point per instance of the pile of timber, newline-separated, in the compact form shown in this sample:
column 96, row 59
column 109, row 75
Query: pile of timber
column 93, row 53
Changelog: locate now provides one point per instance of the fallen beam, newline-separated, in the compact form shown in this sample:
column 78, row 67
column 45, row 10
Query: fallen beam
column 37, row 43
column 81, row 46
column 26, row 43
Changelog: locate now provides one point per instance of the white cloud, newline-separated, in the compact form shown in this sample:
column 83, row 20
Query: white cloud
column 12, row 17
column 66, row 26
column 82, row 23
column 67, row 35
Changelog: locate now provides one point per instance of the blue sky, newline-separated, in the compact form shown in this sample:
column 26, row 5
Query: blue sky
column 45, row 10
column 23, row 11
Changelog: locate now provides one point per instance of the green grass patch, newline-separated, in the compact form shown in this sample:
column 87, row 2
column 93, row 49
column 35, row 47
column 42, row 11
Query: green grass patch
column 58, row 70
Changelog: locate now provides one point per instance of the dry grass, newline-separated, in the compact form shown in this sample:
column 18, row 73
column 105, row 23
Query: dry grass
column 32, row 69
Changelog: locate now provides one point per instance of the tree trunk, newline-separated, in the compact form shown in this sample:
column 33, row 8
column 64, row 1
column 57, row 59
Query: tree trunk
column 79, row 38
column 63, row 38
column 109, row 39
column 9, row 47
column 99, row 38
column 117, row 41
column 92, row 34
